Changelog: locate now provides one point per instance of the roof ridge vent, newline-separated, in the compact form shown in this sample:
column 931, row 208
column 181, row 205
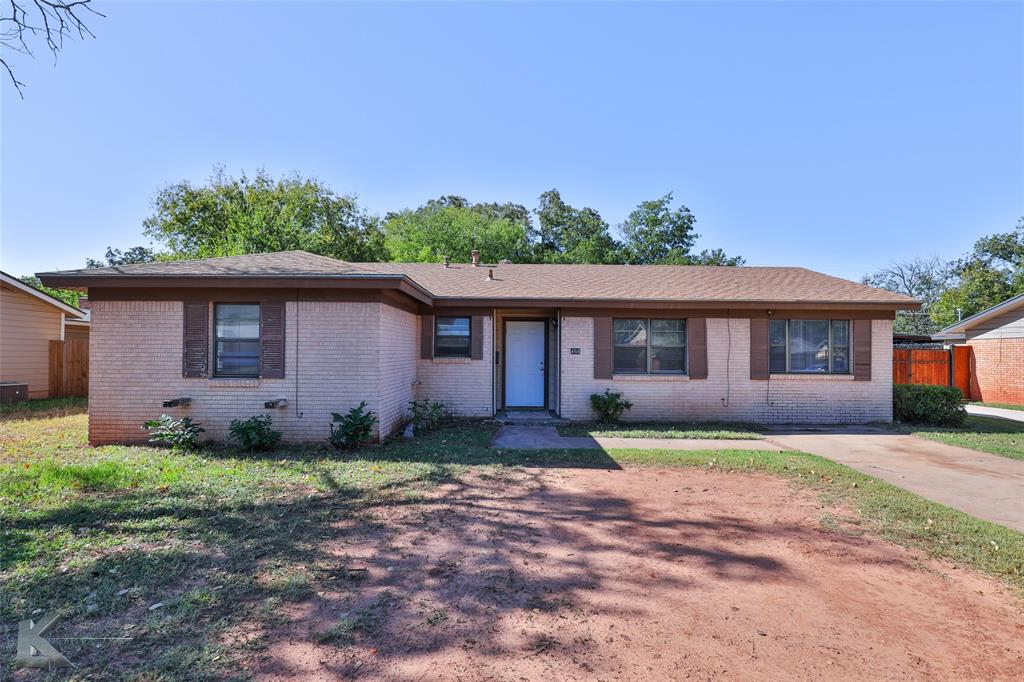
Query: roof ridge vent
column 475, row 256
column 446, row 261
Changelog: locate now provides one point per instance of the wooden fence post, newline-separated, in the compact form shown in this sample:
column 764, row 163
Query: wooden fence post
column 56, row 377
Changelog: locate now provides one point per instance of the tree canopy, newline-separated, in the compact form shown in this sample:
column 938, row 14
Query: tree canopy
column 451, row 227
column 234, row 216
column 570, row 235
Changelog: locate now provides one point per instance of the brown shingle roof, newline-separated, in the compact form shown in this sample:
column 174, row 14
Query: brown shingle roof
column 665, row 283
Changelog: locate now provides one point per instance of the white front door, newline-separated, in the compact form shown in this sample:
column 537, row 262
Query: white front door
column 524, row 363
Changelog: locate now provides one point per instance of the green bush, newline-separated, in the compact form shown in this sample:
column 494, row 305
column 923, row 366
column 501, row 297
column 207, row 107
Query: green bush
column 353, row 428
column 425, row 414
column 933, row 405
column 180, row 434
column 609, row 406
column 254, row 433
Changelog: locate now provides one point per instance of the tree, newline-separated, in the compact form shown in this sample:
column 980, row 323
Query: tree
column 923, row 278
column 114, row 257
column 571, row 235
column 657, row 234
column 234, row 216
column 51, row 21
column 69, row 296
column 451, row 227
column 990, row 274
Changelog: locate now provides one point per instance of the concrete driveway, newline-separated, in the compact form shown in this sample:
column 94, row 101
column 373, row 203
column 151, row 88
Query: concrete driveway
column 1002, row 413
column 987, row 486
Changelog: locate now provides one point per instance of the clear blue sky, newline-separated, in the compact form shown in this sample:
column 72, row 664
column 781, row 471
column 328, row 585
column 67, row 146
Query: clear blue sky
column 837, row 136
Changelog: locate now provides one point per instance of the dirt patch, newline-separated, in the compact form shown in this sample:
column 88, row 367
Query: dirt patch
column 638, row 574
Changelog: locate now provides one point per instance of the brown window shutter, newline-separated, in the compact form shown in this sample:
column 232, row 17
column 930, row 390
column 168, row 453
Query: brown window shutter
column 602, row 348
column 195, row 347
column 759, row 348
column 426, row 336
column 862, row 350
column 272, row 339
column 476, row 337
column 697, row 346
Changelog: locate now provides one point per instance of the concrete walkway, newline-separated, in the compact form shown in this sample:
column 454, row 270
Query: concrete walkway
column 1002, row 413
column 546, row 437
column 987, row 486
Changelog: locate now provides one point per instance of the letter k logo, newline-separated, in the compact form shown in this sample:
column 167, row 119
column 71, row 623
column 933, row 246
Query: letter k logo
column 33, row 650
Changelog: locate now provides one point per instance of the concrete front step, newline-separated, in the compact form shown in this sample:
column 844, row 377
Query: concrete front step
column 529, row 418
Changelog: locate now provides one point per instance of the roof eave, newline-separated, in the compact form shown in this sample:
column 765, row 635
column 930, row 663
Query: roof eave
column 367, row 281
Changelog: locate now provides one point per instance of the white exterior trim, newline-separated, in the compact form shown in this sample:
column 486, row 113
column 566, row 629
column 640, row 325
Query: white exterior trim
column 42, row 296
column 958, row 330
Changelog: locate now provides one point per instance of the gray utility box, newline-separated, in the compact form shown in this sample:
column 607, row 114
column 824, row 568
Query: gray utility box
column 13, row 392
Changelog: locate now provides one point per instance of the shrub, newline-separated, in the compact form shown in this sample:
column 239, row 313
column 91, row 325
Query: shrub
column 425, row 414
column 353, row 428
column 934, row 405
column 180, row 434
column 609, row 406
column 254, row 433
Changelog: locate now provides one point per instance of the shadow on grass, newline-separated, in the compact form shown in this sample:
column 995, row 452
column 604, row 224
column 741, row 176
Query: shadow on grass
column 222, row 565
column 44, row 408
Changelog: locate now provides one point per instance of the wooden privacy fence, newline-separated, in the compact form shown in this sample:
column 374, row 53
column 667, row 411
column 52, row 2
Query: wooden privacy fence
column 935, row 366
column 69, row 368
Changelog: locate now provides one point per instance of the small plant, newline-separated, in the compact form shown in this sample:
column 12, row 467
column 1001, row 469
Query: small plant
column 425, row 414
column 609, row 406
column 352, row 428
column 924, row 404
column 179, row 433
column 254, row 433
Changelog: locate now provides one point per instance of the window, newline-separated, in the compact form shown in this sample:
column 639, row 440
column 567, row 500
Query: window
column 451, row 337
column 649, row 346
column 809, row 346
column 236, row 339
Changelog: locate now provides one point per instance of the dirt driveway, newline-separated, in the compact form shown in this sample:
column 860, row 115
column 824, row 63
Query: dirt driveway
column 638, row 574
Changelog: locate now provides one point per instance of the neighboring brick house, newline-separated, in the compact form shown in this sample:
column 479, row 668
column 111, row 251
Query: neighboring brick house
column 996, row 339
column 311, row 335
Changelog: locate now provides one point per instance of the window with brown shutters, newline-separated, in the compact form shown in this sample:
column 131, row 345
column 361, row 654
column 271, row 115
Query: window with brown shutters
column 801, row 346
column 272, row 339
column 195, row 339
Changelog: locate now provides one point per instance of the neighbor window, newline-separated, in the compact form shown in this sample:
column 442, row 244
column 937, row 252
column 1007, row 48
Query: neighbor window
column 649, row 346
column 236, row 339
column 809, row 346
column 451, row 337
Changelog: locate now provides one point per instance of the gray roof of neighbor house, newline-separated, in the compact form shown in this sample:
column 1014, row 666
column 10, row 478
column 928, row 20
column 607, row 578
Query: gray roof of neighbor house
column 594, row 283
column 957, row 330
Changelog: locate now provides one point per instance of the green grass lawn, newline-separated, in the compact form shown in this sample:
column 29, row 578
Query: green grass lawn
column 710, row 430
column 987, row 434
column 222, row 538
column 1000, row 405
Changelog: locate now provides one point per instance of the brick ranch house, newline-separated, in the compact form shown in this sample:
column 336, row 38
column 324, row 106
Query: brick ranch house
column 996, row 339
column 311, row 335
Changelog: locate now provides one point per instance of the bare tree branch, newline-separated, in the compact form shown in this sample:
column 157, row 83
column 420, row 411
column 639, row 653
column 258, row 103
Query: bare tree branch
column 48, row 20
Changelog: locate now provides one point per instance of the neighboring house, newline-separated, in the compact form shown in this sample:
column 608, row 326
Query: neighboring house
column 996, row 339
column 313, row 335
column 29, row 320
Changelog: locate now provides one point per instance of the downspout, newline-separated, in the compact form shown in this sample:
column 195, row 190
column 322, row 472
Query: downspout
column 494, row 362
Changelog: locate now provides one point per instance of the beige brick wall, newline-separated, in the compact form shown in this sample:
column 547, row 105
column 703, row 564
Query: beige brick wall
column 399, row 350
column 728, row 393
column 465, row 386
column 347, row 353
